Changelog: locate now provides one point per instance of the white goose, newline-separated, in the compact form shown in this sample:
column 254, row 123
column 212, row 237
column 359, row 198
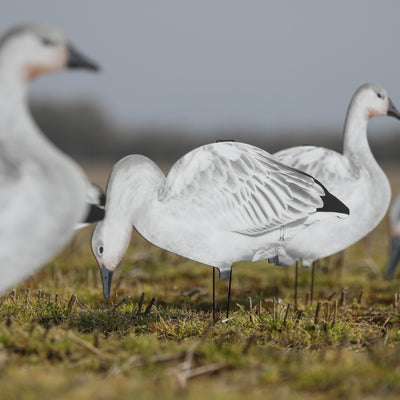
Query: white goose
column 354, row 176
column 220, row 204
column 394, row 232
column 42, row 191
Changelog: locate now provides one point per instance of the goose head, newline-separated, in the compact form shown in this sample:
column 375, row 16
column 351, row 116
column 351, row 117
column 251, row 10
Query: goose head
column 110, row 241
column 30, row 50
column 373, row 99
column 133, row 183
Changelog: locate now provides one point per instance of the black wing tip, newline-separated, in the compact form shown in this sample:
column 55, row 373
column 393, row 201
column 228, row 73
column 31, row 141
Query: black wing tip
column 95, row 214
column 101, row 196
column 102, row 199
column 331, row 202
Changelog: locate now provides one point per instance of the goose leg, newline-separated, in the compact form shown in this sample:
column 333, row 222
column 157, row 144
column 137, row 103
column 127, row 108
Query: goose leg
column 229, row 294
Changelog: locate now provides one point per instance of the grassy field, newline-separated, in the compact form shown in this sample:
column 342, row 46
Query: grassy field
column 60, row 339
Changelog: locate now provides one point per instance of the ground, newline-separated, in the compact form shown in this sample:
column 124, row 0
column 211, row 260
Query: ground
column 60, row 339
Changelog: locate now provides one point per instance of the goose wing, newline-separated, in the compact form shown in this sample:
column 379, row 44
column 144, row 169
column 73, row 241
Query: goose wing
column 95, row 201
column 329, row 166
column 241, row 188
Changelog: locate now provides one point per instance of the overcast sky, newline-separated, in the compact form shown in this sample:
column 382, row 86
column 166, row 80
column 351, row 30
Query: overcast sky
column 210, row 64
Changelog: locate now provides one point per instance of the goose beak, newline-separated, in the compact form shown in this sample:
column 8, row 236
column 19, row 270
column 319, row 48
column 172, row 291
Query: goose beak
column 393, row 111
column 106, row 277
column 78, row 60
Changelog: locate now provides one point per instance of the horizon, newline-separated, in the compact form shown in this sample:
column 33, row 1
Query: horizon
column 226, row 64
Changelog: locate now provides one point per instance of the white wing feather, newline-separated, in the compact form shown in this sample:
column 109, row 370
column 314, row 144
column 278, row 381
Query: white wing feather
column 328, row 166
column 243, row 187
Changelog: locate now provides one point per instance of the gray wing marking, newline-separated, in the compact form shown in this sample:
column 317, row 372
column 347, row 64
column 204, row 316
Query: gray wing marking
column 242, row 187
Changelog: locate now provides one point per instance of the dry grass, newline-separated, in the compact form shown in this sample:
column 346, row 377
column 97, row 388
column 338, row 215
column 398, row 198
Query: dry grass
column 54, row 345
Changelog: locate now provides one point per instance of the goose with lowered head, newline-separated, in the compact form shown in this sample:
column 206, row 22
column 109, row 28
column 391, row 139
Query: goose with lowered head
column 221, row 203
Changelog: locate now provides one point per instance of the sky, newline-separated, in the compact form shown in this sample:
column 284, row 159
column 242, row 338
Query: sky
column 223, row 64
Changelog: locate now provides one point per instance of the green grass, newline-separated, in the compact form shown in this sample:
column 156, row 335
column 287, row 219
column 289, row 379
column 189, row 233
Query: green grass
column 54, row 348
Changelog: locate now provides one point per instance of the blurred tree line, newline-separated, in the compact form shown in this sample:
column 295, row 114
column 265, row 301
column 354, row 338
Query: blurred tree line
column 83, row 130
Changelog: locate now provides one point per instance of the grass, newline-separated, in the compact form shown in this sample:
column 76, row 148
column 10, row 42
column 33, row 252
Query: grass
column 60, row 339
column 56, row 345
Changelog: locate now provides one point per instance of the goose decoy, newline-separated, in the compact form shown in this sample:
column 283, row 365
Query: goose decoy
column 354, row 176
column 221, row 203
column 42, row 191
column 394, row 232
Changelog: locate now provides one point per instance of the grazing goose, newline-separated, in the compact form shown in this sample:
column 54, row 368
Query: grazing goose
column 354, row 176
column 42, row 191
column 394, row 232
column 221, row 203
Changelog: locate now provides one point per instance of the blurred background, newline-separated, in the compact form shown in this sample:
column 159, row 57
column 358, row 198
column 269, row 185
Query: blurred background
column 177, row 74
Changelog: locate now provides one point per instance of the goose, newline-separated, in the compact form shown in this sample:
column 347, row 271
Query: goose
column 394, row 232
column 354, row 176
column 221, row 203
column 42, row 191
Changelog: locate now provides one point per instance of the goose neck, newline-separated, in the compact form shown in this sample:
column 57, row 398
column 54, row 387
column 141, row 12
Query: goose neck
column 355, row 140
column 130, row 194
column 14, row 112
column 12, row 85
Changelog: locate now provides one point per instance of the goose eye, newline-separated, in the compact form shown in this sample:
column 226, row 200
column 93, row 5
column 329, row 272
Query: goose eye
column 379, row 95
column 47, row 42
column 100, row 250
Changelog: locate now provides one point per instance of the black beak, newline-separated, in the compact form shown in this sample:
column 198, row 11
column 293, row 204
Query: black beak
column 78, row 60
column 393, row 111
column 106, row 277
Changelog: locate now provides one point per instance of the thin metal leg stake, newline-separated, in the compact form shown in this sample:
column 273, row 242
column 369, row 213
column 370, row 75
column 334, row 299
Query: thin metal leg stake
column 213, row 294
column 295, row 283
column 229, row 294
column 312, row 282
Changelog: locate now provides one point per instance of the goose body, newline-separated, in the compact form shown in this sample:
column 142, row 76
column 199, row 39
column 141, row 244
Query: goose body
column 42, row 191
column 354, row 176
column 221, row 203
column 394, row 233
